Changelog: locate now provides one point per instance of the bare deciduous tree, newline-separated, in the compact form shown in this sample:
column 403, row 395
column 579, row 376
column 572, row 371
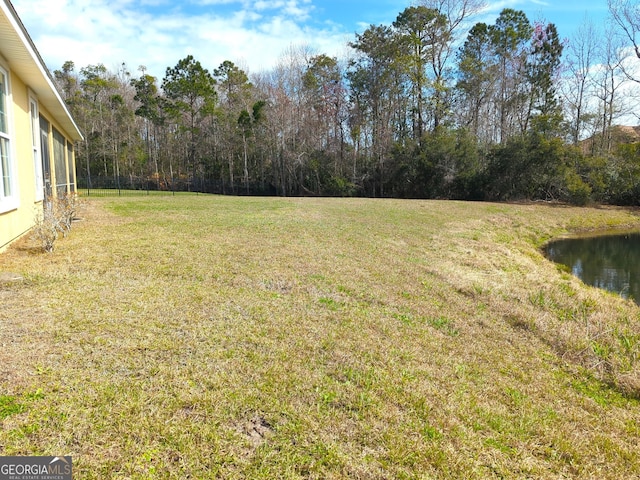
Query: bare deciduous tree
column 626, row 15
column 608, row 85
column 580, row 70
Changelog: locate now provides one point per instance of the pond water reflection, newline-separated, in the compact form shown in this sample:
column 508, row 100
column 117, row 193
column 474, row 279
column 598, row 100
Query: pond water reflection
column 611, row 262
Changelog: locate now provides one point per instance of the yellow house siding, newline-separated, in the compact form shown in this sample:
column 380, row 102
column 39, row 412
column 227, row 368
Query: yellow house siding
column 16, row 222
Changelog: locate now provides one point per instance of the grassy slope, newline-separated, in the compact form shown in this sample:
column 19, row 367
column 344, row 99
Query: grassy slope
column 199, row 337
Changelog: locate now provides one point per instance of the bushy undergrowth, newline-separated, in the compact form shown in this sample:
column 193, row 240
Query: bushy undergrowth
column 451, row 164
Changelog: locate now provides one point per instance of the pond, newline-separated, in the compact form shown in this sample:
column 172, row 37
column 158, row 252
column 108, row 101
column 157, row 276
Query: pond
column 610, row 262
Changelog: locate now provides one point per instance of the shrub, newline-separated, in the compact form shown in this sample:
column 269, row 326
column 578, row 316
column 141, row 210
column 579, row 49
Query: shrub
column 46, row 227
column 67, row 206
column 579, row 192
column 55, row 217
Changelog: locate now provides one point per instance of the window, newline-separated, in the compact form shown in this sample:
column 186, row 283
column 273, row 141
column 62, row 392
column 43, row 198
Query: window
column 60, row 162
column 72, row 185
column 8, row 193
column 46, row 155
column 35, row 146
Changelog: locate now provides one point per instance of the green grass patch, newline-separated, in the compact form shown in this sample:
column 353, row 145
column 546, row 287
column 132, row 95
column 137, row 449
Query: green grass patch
column 9, row 406
column 445, row 325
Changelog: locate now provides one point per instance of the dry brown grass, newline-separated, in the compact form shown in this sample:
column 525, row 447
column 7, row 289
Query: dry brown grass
column 204, row 337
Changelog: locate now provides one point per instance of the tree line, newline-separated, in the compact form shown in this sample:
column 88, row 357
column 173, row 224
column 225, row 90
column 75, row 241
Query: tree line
column 422, row 108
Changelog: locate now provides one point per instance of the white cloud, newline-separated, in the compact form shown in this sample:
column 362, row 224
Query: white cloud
column 499, row 5
column 158, row 33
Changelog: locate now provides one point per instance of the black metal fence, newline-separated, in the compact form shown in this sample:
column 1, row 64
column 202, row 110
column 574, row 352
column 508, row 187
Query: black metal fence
column 137, row 185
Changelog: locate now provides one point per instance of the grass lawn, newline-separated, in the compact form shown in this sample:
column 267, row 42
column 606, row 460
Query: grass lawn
column 222, row 337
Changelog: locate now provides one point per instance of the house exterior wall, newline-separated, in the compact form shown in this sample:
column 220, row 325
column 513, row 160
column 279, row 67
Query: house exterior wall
column 18, row 218
column 36, row 132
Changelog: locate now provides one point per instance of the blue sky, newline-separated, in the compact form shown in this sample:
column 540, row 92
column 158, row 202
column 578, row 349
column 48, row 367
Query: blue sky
column 252, row 34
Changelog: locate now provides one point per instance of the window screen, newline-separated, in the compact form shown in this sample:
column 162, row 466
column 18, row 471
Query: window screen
column 60, row 162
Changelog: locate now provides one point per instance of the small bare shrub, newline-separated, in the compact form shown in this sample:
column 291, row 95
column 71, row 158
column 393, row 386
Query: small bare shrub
column 66, row 206
column 46, row 227
column 55, row 217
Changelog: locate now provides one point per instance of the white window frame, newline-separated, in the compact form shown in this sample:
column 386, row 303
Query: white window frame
column 12, row 200
column 34, row 115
